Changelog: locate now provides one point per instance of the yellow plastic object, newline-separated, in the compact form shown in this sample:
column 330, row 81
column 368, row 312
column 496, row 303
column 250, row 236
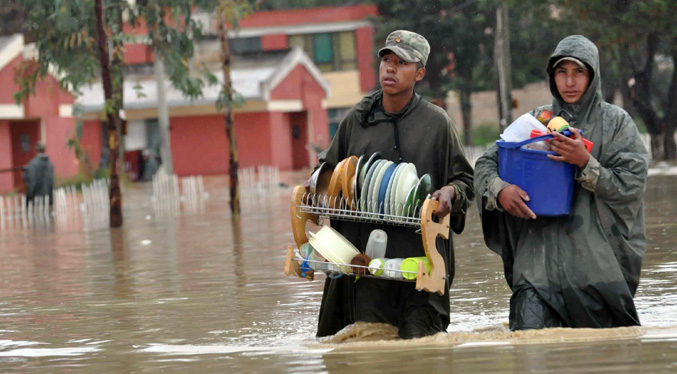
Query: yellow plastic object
column 376, row 266
column 411, row 265
column 558, row 124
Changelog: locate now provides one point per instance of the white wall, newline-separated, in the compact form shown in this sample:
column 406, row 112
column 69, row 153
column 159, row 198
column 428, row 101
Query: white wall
column 136, row 135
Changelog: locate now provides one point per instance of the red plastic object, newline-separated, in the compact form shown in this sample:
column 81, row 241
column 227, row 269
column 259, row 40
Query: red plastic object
column 588, row 143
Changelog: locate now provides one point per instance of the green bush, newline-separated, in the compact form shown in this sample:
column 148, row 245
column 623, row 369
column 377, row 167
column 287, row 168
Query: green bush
column 641, row 126
column 485, row 133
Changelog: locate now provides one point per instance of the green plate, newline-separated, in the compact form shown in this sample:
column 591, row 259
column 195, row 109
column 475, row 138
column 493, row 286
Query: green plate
column 417, row 195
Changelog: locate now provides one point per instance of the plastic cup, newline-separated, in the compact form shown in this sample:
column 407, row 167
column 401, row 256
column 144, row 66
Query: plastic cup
column 376, row 266
column 411, row 265
column 391, row 268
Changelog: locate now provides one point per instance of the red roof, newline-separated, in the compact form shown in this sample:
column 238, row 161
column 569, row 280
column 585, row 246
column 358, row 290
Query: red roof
column 309, row 16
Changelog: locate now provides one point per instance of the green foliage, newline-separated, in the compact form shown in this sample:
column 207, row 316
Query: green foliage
column 460, row 46
column 485, row 133
column 637, row 42
column 77, row 180
column 74, row 143
column 231, row 12
column 533, row 37
column 66, row 44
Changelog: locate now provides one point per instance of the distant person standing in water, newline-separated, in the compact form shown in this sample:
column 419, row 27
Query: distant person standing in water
column 39, row 176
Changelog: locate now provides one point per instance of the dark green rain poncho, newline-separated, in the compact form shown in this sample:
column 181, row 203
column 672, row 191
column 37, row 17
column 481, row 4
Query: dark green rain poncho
column 39, row 178
column 428, row 139
column 579, row 270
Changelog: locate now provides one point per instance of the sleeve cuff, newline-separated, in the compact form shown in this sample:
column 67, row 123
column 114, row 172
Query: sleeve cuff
column 458, row 204
column 589, row 175
column 494, row 187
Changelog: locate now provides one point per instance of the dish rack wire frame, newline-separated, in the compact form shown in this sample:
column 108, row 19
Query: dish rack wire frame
column 301, row 213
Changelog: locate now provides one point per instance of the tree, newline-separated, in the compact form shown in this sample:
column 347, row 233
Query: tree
column 460, row 57
column 72, row 38
column 638, row 48
column 230, row 12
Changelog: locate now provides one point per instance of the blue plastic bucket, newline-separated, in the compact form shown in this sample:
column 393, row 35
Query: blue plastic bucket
column 549, row 183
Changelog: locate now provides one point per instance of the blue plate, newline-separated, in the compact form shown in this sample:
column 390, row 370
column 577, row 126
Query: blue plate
column 384, row 186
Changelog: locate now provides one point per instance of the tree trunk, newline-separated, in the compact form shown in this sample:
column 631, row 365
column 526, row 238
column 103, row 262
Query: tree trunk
column 503, row 66
column 663, row 145
column 112, row 116
column 163, row 116
column 466, row 109
column 229, row 121
column 105, row 151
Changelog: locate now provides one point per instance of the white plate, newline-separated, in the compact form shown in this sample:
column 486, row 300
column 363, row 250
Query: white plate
column 369, row 186
column 391, row 184
column 368, row 163
column 376, row 187
column 408, row 180
column 392, row 202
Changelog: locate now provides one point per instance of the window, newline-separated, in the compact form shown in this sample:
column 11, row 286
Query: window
column 329, row 51
column 335, row 117
column 244, row 45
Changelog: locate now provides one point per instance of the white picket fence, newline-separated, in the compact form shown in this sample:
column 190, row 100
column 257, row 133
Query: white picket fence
column 170, row 192
column 92, row 204
column 259, row 179
column 259, row 185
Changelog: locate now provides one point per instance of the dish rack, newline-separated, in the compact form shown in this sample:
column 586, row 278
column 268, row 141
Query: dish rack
column 310, row 207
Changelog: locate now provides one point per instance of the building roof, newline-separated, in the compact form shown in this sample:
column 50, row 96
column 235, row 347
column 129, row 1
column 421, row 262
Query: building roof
column 253, row 77
column 10, row 47
column 318, row 15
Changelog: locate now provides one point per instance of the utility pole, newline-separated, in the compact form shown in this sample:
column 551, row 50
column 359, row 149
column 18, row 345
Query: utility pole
column 163, row 116
column 503, row 68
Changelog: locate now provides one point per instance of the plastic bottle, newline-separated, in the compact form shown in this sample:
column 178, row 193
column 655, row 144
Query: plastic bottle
column 317, row 262
column 377, row 243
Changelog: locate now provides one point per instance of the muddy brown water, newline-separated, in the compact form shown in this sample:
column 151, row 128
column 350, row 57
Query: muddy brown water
column 196, row 292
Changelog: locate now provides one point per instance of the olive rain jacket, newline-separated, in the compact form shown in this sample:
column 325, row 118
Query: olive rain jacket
column 579, row 270
column 424, row 135
column 39, row 178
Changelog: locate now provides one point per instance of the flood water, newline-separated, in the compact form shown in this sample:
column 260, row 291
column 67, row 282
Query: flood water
column 198, row 292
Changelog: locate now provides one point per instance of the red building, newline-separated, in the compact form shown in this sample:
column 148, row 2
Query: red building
column 284, row 117
column 295, row 97
column 283, row 112
column 338, row 39
column 45, row 117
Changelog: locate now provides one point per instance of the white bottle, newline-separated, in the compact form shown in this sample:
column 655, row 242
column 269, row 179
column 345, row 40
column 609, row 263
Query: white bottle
column 377, row 243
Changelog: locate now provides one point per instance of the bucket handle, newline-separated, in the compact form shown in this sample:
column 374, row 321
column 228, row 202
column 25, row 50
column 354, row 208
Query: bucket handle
column 512, row 145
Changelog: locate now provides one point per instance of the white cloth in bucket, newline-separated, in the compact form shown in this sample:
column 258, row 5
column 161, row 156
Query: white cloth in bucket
column 521, row 128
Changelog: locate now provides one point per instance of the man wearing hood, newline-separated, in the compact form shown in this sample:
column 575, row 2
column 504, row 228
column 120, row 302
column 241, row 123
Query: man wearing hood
column 582, row 269
column 39, row 176
column 397, row 122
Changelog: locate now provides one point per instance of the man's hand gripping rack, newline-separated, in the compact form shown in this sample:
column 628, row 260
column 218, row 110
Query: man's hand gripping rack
column 302, row 212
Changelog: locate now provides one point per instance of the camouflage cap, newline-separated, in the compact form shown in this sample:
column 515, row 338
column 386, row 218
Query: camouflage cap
column 408, row 45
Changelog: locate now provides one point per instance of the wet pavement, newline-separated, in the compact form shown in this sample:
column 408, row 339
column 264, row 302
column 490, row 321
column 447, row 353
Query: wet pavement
column 195, row 291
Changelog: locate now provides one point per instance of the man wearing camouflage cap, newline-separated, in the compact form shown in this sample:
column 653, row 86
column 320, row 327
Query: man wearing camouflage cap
column 403, row 127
